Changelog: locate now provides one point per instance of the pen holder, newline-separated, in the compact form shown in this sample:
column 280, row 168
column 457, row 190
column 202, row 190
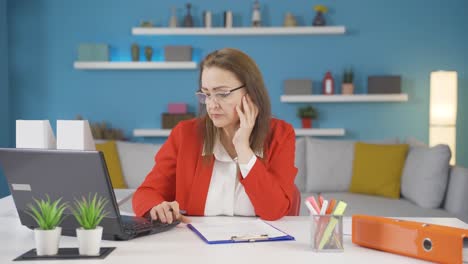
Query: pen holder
column 327, row 233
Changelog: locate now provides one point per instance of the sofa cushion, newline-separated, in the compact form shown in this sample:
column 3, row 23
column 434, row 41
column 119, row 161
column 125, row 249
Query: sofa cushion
column 137, row 160
column 329, row 163
column 377, row 169
column 300, row 164
column 424, row 179
column 111, row 156
column 457, row 193
column 380, row 206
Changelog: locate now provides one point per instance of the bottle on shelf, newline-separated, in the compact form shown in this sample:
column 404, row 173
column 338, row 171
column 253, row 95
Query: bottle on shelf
column 173, row 19
column 188, row 19
column 228, row 19
column 207, row 18
column 328, row 84
column 256, row 17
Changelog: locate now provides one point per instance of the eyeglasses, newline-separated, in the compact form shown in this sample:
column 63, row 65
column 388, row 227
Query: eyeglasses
column 218, row 97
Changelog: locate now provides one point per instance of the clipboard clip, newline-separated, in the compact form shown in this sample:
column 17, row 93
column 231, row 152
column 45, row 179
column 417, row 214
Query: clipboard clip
column 249, row 238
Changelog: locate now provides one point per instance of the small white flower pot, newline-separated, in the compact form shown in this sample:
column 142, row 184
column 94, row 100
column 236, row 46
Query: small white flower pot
column 47, row 241
column 89, row 241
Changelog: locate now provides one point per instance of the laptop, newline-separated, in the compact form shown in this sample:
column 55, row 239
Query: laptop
column 69, row 174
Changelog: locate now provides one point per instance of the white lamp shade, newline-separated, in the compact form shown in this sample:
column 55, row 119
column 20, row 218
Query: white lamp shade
column 444, row 135
column 443, row 102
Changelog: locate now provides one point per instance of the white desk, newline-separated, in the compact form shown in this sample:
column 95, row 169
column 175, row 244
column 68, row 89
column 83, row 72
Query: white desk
column 181, row 245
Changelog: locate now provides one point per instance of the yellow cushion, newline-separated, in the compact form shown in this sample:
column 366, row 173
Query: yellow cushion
column 377, row 169
column 109, row 149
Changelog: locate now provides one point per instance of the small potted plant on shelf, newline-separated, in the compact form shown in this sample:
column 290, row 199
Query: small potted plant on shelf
column 48, row 216
column 89, row 212
column 307, row 114
column 348, row 87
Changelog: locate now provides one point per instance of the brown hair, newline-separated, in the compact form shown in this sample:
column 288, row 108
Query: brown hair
column 246, row 71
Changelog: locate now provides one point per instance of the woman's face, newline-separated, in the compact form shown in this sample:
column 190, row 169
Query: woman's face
column 220, row 104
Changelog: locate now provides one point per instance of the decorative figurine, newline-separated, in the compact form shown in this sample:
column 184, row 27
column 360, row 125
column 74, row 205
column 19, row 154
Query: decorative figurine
column 173, row 19
column 319, row 19
column 188, row 20
column 289, row 20
column 135, row 52
column 148, row 53
column 328, row 84
column 256, row 17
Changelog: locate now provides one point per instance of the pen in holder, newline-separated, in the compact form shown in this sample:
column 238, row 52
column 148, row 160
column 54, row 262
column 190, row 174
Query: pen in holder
column 327, row 233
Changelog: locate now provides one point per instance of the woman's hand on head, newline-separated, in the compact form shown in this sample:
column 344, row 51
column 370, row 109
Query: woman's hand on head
column 247, row 117
column 166, row 212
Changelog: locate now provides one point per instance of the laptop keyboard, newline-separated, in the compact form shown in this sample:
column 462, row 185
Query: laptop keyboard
column 136, row 225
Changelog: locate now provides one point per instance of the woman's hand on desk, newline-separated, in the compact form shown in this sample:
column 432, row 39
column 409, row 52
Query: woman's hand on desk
column 166, row 212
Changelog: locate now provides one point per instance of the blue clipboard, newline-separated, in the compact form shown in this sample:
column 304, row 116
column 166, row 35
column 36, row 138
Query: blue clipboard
column 244, row 238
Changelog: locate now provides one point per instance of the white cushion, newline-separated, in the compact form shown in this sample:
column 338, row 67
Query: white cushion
column 137, row 160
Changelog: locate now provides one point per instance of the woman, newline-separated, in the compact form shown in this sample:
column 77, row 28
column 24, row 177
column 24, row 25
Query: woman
column 235, row 159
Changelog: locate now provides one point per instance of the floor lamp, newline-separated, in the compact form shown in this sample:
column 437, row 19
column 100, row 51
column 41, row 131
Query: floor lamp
column 443, row 110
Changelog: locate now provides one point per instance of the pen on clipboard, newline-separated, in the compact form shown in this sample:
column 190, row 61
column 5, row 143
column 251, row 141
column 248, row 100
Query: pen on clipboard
column 250, row 238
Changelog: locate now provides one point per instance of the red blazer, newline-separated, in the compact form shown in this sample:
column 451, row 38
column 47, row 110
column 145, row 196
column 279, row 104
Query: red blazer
column 181, row 174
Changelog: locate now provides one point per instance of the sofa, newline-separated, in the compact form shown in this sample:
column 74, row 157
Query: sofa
column 430, row 187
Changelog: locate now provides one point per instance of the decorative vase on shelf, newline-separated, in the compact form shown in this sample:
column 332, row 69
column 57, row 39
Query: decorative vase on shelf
column 148, row 53
column 173, row 19
column 289, row 20
column 188, row 19
column 256, row 16
column 135, row 52
column 319, row 19
column 328, row 84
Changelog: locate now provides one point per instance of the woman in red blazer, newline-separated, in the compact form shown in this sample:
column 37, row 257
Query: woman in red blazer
column 234, row 159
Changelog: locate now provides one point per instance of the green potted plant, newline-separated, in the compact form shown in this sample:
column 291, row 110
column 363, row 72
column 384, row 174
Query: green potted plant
column 89, row 212
column 347, row 87
column 48, row 216
column 307, row 114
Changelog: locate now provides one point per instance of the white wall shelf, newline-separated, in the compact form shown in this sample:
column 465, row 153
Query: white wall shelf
column 148, row 132
column 123, row 65
column 338, row 98
column 256, row 31
column 320, row 132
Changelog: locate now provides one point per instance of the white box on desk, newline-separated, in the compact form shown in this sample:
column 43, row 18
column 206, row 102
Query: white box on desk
column 74, row 135
column 35, row 134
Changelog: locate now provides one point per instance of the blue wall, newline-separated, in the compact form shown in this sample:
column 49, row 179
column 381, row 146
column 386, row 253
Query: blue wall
column 4, row 90
column 409, row 38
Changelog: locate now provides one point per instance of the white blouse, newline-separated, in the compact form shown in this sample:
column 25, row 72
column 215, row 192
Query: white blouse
column 226, row 195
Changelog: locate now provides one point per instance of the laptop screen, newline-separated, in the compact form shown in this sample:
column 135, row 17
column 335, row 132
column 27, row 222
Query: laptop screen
column 33, row 173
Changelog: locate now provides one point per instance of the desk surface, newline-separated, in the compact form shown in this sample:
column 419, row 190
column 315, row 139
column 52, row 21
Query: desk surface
column 181, row 245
